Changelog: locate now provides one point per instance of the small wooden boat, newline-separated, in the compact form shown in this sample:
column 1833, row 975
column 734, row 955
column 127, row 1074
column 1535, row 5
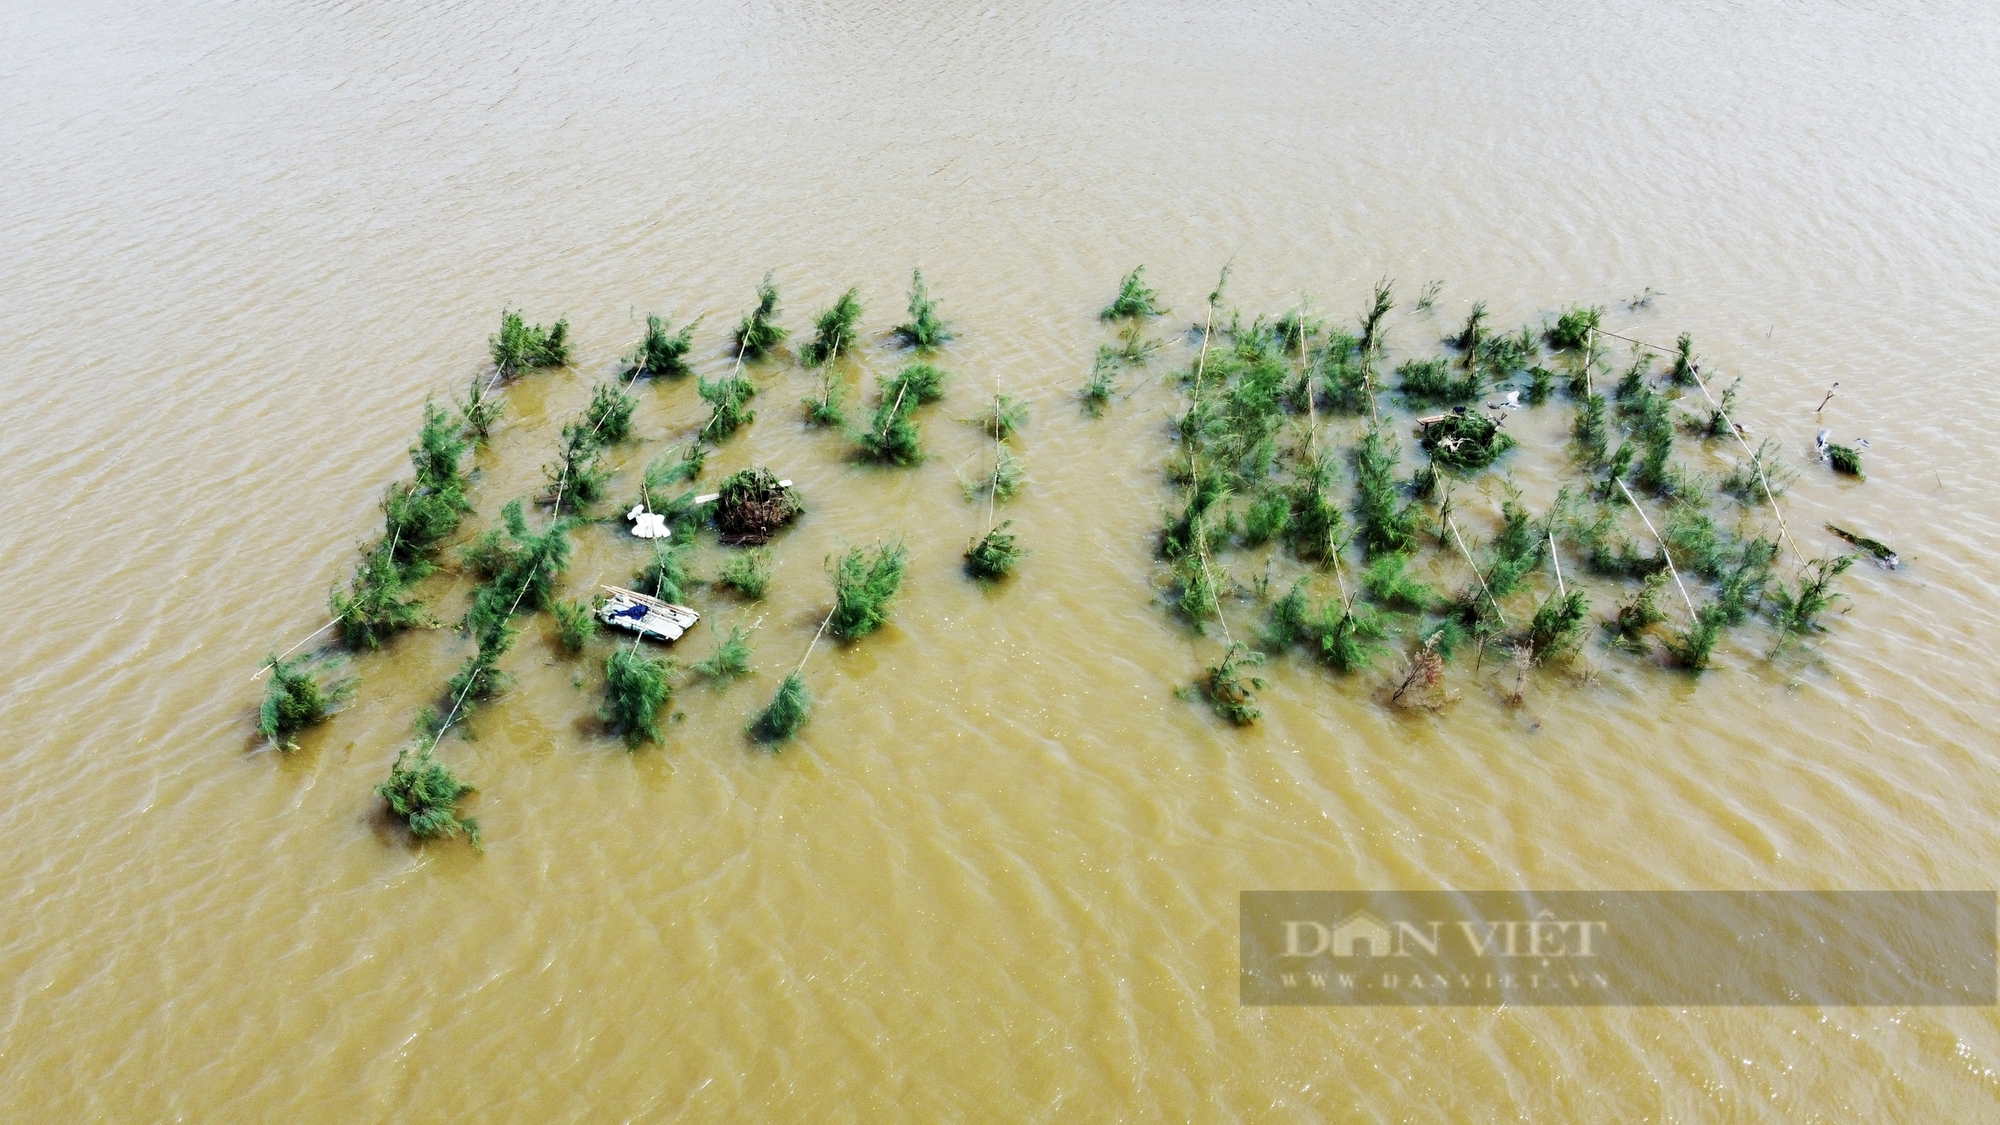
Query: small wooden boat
column 648, row 617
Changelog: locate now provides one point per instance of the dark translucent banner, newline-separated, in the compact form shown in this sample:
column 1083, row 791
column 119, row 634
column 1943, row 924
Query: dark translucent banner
column 1821, row 948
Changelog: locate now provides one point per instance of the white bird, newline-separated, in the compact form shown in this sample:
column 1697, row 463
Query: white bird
column 1824, row 439
column 1512, row 401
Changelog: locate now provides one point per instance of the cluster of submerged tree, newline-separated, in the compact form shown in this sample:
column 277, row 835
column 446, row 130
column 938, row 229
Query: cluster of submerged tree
column 1253, row 471
column 520, row 570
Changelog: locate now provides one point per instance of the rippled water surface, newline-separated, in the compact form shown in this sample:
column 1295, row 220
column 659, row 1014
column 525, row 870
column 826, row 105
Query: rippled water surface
column 997, row 876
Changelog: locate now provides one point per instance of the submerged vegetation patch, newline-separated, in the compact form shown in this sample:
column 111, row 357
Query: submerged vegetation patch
column 864, row 585
column 1440, row 560
column 520, row 346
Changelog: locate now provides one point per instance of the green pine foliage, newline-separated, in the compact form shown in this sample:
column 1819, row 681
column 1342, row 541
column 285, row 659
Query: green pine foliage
column 994, row 556
column 1102, row 384
column 1379, row 304
column 790, row 707
column 1008, row 477
column 578, row 475
column 662, row 354
column 1799, row 611
column 917, row 383
column 864, row 585
column 576, row 623
column 375, row 605
column 827, row 407
column 1693, row 648
column 1845, row 459
column 1682, row 373
column 925, row 328
column 748, row 573
column 635, row 688
column 667, row 575
column 520, row 346
column 729, row 405
column 1229, row 690
column 609, row 415
column 1643, row 610
column 522, row 568
column 1558, row 624
column 1571, row 331
column 1005, row 418
column 1386, row 525
column 294, row 699
column 1592, row 431
column 1475, row 331
column 1389, row 582
column 479, row 411
column 730, row 661
column 834, row 330
column 1134, row 299
column 760, row 331
column 893, row 435
column 1430, row 380
column 424, row 793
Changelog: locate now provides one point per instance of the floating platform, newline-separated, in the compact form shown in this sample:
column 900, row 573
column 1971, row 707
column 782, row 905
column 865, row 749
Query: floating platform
column 648, row 617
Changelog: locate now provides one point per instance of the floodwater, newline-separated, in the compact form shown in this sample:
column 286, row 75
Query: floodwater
column 996, row 877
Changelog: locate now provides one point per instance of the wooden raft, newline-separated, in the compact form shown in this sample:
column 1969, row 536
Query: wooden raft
column 663, row 620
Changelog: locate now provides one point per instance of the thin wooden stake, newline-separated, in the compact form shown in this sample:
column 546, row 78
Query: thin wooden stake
column 1664, row 552
column 1453, row 524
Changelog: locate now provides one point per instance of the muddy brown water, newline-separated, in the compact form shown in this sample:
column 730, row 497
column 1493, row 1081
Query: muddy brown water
column 997, row 876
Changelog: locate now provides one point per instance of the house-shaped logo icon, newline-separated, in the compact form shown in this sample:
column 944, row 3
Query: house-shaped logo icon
column 1361, row 934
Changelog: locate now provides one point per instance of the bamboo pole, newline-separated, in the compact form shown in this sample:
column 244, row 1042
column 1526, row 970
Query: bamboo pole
column 1664, row 552
column 1453, row 524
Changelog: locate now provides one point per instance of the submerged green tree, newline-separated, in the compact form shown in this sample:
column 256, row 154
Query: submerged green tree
column 1557, row 627
column 919, row 383
column 994, row 556
column 609, row 415
column 1103, row 382
column 1229, row 690
column 1693, row 647
column 789, row 710
column 826, row 408
column 1572, row 330
column 635, row 688
column 1385, row 524
column 834, row 330
column 729, row 402
column 760, row 332
column 1799, row 611
column 374, row 607
column 522, row 567
column 423, row 793
column 578, row 474
column 731, row 659
column 1007, row 416
column 663, row 352
column 576, row 623
column 864, row 583
column 479, row 411
column 924, row 329
column 666, row 574
column 1379, row 304
column 1134, row 299
column 893, row 434
column 748, row 573
column 519, row 346
column 294, row 699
